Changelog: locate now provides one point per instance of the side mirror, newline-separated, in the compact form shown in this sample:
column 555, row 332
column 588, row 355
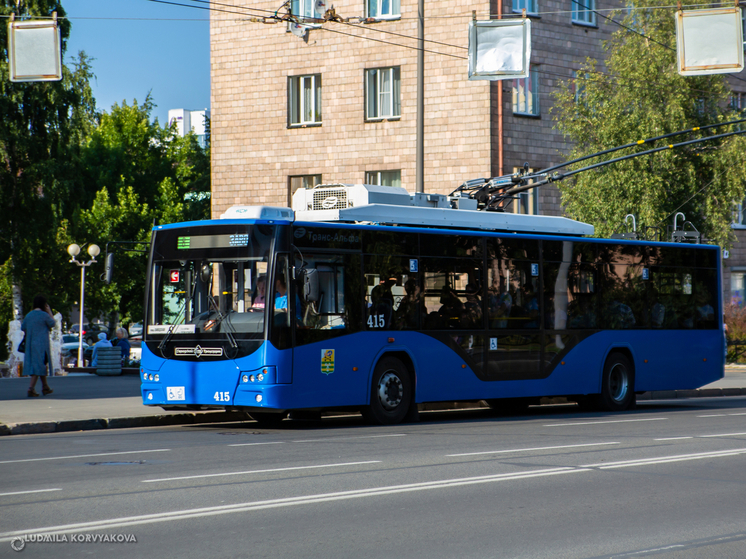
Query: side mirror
column 205, row 273
column 310, row 277
column 109, row 268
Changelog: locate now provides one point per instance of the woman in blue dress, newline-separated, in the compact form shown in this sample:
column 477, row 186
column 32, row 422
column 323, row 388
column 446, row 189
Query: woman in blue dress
column 38, row 357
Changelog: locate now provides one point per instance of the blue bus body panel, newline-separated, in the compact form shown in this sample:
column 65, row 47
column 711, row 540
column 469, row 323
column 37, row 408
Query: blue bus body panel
column 321, row 379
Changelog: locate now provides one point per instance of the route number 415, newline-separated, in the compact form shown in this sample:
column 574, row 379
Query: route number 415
column 222, row 397
column 377, row 321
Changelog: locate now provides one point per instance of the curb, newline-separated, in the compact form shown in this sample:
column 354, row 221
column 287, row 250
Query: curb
column 699, row 393
column 120, row 423
column 196, row 418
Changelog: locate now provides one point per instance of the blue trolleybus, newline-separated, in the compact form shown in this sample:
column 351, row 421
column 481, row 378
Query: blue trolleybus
column 370, row 298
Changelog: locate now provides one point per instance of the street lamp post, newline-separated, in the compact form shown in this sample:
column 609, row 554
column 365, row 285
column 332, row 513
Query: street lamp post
column 74, row 250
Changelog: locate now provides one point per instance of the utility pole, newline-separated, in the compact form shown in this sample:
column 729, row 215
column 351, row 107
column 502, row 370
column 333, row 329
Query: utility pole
column 420, row 163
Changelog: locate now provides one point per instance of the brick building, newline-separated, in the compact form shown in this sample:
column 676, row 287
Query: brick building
column 338, row 103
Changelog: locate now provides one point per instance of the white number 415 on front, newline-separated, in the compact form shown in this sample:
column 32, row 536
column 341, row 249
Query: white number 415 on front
column 222, row 397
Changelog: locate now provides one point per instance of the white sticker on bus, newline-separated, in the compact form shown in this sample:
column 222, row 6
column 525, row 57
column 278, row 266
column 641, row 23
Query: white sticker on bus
column 185, row 329
column 159, row 328
column 175, row 393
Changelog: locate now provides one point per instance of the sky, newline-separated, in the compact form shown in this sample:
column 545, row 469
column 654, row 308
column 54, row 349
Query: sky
column 141, row 46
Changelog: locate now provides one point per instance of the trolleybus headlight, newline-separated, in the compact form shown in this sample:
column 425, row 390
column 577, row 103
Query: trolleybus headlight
column 260, row 377
column 150, row 396
column 157, row 378
column 145, row 376
column 150, row 377
column 258, row 397
column 245, row 378
column 251, row 378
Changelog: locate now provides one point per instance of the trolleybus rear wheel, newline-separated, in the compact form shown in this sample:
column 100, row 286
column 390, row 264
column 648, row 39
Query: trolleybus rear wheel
column 618, row 383
column 391, row 392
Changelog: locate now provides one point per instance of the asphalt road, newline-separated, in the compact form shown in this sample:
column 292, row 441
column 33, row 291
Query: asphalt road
column 666, row 480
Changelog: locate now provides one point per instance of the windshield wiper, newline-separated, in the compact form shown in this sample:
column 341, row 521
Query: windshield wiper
column 216, row 322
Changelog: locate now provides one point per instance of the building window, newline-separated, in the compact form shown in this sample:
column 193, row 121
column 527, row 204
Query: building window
column 304, row 99
column 305, row 9
column 577, row 86
column 383, row 178
column 739, row 215
column 737, row 101
column 382, row 92
column 383, row 9
column 526, row 94
column 299, row 182
column 526, row 202
column 737, row 285
column 583, row 12
column 529, row 5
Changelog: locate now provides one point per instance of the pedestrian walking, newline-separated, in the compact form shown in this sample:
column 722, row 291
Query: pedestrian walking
column 38, row 357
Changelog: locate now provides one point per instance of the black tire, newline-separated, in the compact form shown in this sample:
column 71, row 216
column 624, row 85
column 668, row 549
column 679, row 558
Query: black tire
column 618, row 383
column 390, row 393
column 269, row 419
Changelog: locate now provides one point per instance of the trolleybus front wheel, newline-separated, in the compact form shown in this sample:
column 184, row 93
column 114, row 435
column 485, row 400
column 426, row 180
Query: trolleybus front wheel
column 391, row 392
column 618, row 383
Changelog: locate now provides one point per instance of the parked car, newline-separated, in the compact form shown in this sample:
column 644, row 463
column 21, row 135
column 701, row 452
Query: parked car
column 135, row 329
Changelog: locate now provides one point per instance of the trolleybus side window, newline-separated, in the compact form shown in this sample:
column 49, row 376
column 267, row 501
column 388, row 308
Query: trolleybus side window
column 334, row 309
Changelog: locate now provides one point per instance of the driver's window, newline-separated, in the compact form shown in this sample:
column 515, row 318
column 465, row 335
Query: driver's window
column 282, row 304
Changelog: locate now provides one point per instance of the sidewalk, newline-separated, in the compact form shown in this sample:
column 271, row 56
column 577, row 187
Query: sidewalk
column 85, row 402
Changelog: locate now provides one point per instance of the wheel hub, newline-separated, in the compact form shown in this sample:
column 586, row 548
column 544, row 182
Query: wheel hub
column 618, row 382
column 390, row 390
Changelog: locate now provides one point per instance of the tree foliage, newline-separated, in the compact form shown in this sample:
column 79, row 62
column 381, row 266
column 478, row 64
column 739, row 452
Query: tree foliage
column 640, row 95
column 69, row 173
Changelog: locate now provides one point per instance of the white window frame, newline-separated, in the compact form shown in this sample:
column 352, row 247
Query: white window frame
column 526, row 202
column 298, row 101
column 739, row 215
column 296, row 182
column 382, row 98
column 529, row 105
column 383, row 9
column 305, row 9
column 384, row 178
column 583, row 12
column 531, row 6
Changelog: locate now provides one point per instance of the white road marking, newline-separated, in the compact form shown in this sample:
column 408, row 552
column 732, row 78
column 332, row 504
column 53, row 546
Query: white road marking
column 334, row 439
column 528, row 449
column 737, row 413
column 291, row 501
column 605, row 422
column 249, row 472
column 665, row 459
column 673, row 439
column 32, row 491
column 346, row 495
column 722, row 435
column 713, row 415
column 255, row 444
column 84, row 456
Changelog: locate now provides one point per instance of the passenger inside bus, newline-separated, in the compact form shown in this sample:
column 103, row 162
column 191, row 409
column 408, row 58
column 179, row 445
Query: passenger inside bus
column 261, row 286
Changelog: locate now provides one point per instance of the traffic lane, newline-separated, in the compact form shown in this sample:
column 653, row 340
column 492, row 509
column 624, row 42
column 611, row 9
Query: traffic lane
column 430, row 440
column 589, row 513
column 304, row 478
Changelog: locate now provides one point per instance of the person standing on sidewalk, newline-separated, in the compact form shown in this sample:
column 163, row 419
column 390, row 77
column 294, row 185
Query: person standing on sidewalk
column 38, row 357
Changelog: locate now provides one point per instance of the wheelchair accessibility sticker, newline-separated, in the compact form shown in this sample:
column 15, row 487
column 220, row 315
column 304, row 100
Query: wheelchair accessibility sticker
column 327, row 361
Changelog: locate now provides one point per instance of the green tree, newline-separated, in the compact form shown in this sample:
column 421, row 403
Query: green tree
column 41, row 131
column 638, row 95
column 136, row 173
